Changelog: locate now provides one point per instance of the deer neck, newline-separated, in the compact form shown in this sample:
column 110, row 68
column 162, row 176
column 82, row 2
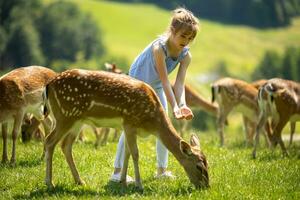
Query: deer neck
column 205, row 105
column 169, row 137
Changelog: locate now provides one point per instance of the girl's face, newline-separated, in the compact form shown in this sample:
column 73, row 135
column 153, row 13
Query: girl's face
column 182, row 38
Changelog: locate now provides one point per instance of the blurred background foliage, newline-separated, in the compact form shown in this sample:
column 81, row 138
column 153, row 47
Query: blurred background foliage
column 258, row 13
column 46, row 34
column 246, row 39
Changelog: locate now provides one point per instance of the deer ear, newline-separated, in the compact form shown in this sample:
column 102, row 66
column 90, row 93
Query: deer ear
column 194, row 141
column 185, row 148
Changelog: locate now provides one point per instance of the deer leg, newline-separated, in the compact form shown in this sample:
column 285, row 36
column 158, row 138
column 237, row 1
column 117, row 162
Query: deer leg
column 51, row 140
column 125, row 163
column 4, row 137
column 115, row 135
column 98, row 134
column 262, row 120
column 67, row 150
column 268, row 133
column 105, row 136
column 277, row 136
column 292, row 127
column 47, row 124
column 130, row 134
column 222, row 116
column 17, row 125
column 248, row 126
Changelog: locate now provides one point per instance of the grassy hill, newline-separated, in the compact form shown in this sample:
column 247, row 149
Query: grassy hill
column 129, row 27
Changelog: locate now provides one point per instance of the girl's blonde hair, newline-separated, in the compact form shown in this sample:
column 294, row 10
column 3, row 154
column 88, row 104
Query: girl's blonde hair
column 184, row 19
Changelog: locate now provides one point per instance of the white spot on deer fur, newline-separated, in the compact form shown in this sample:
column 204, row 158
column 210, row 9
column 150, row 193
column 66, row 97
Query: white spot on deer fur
column 85, row 84
column 68, row 98
column 81, row 82
column 89, row 87
column 75, row 89
column 64, row 85
column 84, row 95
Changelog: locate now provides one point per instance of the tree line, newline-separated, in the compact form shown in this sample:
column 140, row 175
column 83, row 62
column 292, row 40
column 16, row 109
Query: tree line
column 257, row 13
column 286, row 66
column 34, row 33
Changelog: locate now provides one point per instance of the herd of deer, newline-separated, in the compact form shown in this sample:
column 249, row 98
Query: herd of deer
column 63, row 102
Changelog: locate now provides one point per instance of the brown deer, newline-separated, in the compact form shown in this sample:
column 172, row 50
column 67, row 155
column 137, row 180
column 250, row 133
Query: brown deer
column 21, row 92
column 278, row 99
column 108, row 99
column 236, row 94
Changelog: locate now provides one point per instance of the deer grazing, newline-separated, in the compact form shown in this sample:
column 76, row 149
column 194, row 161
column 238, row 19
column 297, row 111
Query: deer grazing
column 21, row 92
column 35, row 128
column 108, row 99
column 279, row 100
column 236, row 94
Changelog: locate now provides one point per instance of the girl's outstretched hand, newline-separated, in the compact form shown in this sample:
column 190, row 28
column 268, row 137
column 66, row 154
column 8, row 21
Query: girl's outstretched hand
column 186, row 112
column 177, row 113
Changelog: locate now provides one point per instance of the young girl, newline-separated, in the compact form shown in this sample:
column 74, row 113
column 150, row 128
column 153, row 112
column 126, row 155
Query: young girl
column 152, row 66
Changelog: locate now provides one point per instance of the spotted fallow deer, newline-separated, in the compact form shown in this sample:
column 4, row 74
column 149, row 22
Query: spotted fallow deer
column 236, row 94
column 108, row 99
column 21, row 92
column 279, row 100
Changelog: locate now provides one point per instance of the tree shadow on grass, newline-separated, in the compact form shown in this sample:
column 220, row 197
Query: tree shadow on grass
column 111, row 189
column 30, row 163
column 59, row 190
column 22, row 164
column 266, row 155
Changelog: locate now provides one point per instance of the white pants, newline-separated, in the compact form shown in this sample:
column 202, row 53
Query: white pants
column 161, row 150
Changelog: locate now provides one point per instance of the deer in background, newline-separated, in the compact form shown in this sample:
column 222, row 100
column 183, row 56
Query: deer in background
column 33, row 127
column 194, row 100
column 278, row 99
column 109, row 99
column 21, row 92
column 236, row 94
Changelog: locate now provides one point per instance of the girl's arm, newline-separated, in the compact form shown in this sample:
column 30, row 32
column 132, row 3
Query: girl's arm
column 159, row 58
column 179, row 90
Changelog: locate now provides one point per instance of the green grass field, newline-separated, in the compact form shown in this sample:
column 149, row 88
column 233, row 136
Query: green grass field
column 127, row 29
column 233, row 173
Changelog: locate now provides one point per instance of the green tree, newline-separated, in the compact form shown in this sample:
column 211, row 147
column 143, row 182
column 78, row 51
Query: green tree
column 67, row 33
column 290, row 68
column 19, row 39
column 269, row 67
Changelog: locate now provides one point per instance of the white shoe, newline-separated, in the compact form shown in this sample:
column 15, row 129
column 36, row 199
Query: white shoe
column 117, row 178
column 166, row 175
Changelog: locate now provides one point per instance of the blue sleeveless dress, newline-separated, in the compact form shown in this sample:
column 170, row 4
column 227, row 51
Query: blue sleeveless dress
column 144, row 68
